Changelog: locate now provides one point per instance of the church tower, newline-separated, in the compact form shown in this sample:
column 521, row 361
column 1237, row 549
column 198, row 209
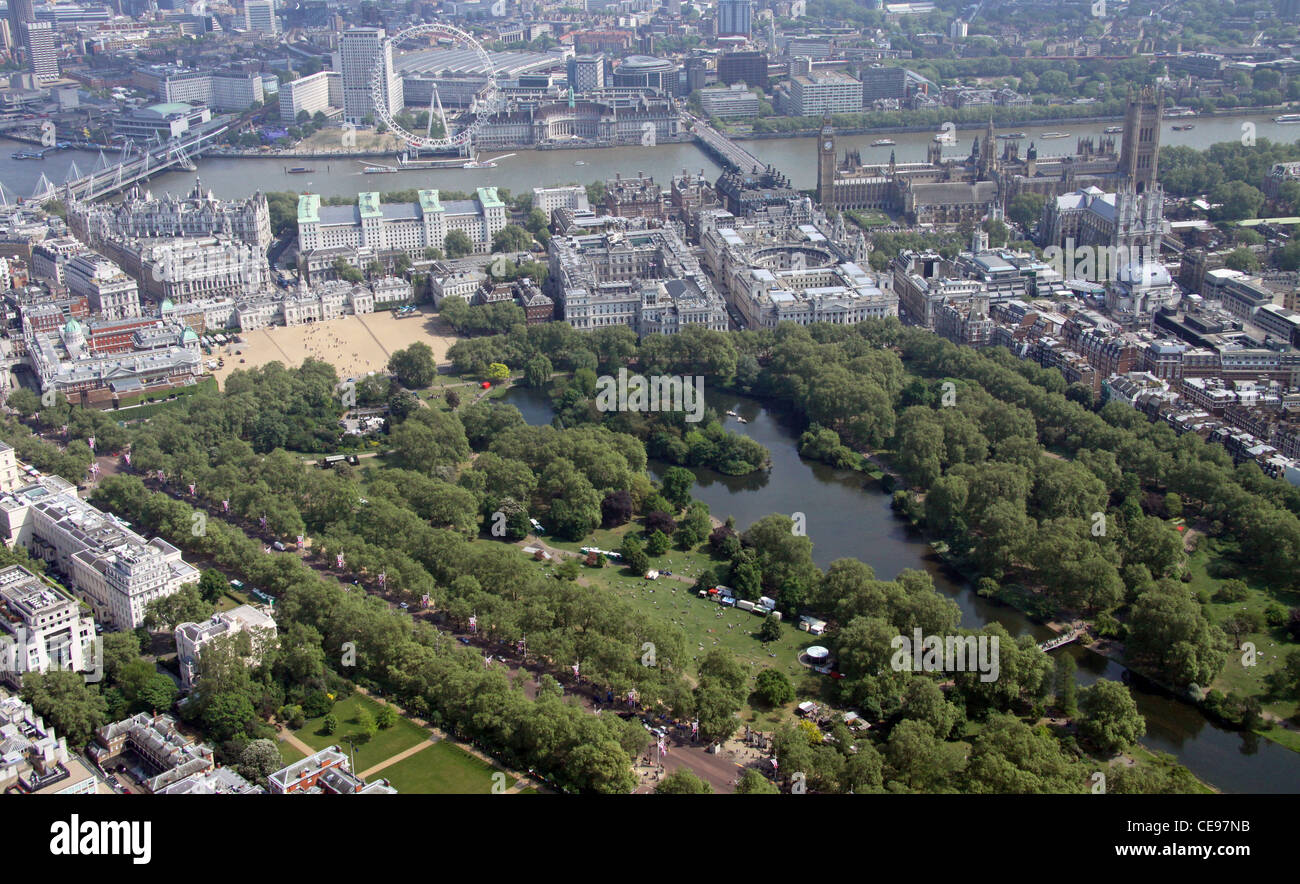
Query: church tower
column 826, row 166
column 1140, row 149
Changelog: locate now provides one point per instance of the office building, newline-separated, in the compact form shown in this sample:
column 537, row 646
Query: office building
column 827, row 92
column 749, row 68
column 259, row 15
column 735, row 18
column 41, row 628
column 879, row 82
column 110, row 292
column 362, row 51
column 778, row 269
column 645, row 279
column 42, row 51
column 548, row 199
column 107, row 564
column 20, row 13
column 399, row 227
column 191, row 637
column 199, row 213
column 35, row 760
column 587, row 72
column 319, row 92
column 729, row 101
column 648, row 73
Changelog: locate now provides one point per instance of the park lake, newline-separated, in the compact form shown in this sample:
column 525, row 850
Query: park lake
column 849, row 516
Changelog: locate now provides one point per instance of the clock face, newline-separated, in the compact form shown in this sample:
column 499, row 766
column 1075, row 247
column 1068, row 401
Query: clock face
column 827, row 145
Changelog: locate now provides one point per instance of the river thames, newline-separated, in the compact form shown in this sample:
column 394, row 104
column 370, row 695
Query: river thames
column 542, row 168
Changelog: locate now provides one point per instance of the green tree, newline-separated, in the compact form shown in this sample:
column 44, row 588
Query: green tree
column 1243, row 259
column 346, row 272
column 683, row 782
column 212, row 585
column 1066, row 688
column 23, row 401
column 538, row 371
column 183, row 606
column 367, row 727
column 657, row 543
column 773, row 687
column 1109, row 717
column 258, row 760
column 1025, row 209
column 676, row 484
column 634, row 555
column 66, row 702
column 414, row 367
column 458, row 244
column 752, row 782
column 512, row 238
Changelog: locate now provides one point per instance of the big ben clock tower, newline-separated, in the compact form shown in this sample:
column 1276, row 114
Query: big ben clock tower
column 826, row 165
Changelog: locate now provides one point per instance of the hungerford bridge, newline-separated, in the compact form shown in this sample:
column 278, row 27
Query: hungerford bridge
column 177, row 153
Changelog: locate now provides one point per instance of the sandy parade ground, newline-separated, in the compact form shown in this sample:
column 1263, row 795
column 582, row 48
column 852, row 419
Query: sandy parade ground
column 354, row 345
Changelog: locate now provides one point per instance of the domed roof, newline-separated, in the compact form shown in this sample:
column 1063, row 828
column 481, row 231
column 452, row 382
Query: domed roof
column 72, row 327
column 1143, row 273
column 189, row 335
column 166, row 305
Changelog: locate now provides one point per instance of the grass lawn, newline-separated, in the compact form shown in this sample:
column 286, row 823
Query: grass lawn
column 1271, row 644
column 443, row 769
column 232, row 599
column 706, row 625
column 289, row 752
column 385, row 744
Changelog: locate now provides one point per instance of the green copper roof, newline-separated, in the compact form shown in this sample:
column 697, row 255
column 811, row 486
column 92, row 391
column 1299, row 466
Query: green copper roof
column 309, row 208
column 488, row 197
column 368, row 204
column 429, row 201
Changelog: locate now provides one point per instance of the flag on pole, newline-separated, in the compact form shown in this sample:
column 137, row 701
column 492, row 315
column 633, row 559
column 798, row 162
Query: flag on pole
column 487, row 661
column 473, row 623
column 424, row 600
column 267, row 550
column 663, row 750
column 162, row 477
column 127, row 457
column 225, row 506
column 383, row 577
column 338, row 559
column 262, row 522
column 301, row 540
column 191, row 489
column 575, row 671
column 91, row 442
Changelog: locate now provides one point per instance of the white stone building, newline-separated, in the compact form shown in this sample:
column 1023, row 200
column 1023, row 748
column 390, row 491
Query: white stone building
column 360, row 51
column 41, row 628
column 110, row 566
column 405, row 227
column 111, row 293
column 191, row 637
